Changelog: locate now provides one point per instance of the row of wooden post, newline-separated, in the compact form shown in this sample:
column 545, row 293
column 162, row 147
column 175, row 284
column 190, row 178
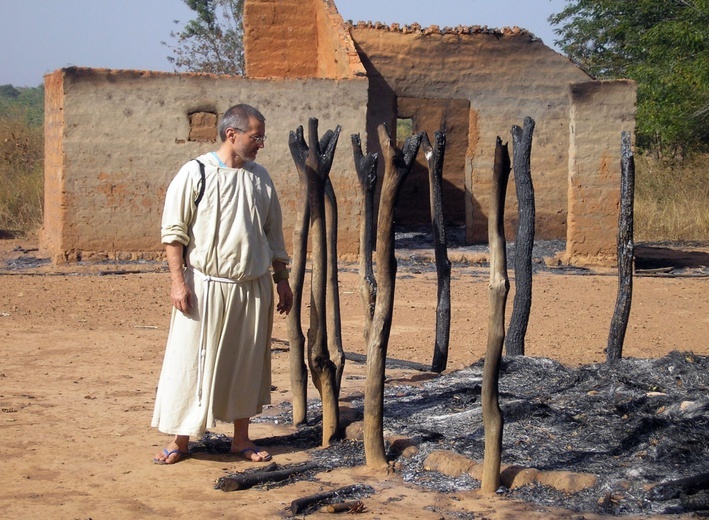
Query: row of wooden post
column 317, row 218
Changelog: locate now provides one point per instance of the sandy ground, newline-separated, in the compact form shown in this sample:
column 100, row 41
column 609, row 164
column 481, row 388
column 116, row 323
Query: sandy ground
column 81, row 352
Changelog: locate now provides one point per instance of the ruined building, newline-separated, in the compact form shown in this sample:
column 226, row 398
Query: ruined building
column 115, row 138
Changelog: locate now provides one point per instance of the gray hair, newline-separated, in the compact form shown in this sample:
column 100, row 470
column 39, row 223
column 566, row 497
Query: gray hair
column 238, row 117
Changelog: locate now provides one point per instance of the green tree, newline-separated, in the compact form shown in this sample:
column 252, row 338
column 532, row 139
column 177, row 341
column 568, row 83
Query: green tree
column 661, row 44
column 212, row 42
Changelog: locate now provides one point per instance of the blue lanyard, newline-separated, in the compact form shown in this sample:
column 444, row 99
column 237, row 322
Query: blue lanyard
column 219, row 160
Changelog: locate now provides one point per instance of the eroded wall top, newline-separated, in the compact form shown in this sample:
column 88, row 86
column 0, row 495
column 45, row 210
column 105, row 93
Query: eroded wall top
column 297, row 39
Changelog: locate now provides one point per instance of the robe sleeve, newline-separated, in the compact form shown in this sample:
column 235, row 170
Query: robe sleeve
column 274, row 229
column 179, row 205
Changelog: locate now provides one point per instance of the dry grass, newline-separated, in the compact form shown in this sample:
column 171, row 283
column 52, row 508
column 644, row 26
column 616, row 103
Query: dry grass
column 672, row 201
column 21, row 174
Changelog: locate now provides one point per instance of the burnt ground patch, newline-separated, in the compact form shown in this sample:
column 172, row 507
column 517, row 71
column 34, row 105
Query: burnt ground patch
column 635, row 423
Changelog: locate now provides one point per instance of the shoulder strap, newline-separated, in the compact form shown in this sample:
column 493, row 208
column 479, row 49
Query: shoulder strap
column 201, row 184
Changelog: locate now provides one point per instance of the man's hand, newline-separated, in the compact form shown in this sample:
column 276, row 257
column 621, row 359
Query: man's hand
column 285, row 297
column 180, row 293
column 181, row 296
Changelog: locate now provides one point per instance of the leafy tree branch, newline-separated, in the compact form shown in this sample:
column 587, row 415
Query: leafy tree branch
column 213, row 41
column 661, row 44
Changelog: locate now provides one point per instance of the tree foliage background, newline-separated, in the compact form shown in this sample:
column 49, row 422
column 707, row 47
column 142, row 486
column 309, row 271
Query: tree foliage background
column 213, row 41
column 661, row 44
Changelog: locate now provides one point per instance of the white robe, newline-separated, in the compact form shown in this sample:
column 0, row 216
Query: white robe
column 220, row 370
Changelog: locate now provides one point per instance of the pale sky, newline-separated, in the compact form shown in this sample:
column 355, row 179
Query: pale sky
column 39, row 36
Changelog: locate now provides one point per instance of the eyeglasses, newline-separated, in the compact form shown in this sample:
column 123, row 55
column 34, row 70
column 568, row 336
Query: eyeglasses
column 259, row 140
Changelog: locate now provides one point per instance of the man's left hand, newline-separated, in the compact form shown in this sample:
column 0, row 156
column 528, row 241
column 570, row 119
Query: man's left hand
column 285, row 297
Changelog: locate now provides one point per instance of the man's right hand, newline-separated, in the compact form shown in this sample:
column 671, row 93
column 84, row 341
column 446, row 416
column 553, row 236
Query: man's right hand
column 180, row 293
column 181, row 297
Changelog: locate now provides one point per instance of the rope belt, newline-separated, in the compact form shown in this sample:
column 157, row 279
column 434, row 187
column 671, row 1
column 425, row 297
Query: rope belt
column 202, row 352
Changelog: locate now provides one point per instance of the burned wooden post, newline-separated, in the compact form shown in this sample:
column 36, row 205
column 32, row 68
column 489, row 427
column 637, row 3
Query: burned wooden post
column 626, row 250
column 334, row 322
column 397, row 165
column 318, row 161
column 296, row 338
column 524, row 243
column 499, row 287
column 270, row 473
column 434, row 156
column 301, row 504
column 366, row 166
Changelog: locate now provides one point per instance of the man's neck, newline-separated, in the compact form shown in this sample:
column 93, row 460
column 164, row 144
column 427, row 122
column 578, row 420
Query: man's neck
column 229, row 158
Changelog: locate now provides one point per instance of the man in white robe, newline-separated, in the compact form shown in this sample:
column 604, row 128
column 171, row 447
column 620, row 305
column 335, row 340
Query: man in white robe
column 220, row 238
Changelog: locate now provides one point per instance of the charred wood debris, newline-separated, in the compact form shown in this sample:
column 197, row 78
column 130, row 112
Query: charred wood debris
column 640, row 425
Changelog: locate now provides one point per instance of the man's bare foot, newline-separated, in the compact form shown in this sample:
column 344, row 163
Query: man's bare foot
column 173, row 453
column 251, row 452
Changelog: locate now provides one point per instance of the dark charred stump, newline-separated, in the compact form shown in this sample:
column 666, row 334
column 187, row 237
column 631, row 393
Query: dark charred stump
column 366, row 166
column 677, row 488
column 334, row 321
column 435, row 155
column 626, row 249
column 524, row 243
column 697, row 502
column 499, row 287
column 397, row 165
column 270, row 473
column 296, row 338
column 301, row 504
column 319, row 156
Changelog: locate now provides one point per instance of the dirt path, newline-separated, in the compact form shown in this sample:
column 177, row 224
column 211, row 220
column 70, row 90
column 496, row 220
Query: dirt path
column 81, row 354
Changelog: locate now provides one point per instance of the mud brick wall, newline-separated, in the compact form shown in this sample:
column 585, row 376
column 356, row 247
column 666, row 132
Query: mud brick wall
column 505, row 75
column 600, row 111
column 114, row 140
column 297, row 39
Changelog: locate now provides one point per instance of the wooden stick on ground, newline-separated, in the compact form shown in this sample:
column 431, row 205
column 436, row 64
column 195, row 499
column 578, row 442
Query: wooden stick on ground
column 268, row 474
column 341, row 507
column 300, row 504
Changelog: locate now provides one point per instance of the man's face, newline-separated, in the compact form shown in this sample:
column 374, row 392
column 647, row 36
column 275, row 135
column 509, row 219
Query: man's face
column 249, row 141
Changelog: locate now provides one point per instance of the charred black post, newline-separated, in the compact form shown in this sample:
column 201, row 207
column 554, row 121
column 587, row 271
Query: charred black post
column 366, row 166
column 626, row 250
column 296, row 338
column 397, row 165
column 524, row 243
column 499, row 287
column 334, row 321
column 318, row 161
column 434, row 156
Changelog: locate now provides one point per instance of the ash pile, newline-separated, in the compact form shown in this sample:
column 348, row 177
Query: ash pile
column 634, row 424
